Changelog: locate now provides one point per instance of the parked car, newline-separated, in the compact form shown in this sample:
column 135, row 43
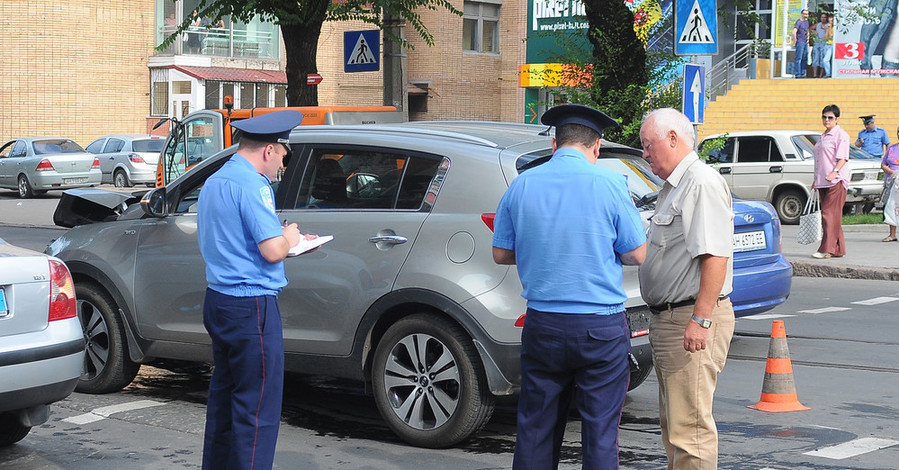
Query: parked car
column 36, row 165
column 778, row 166
column 405, row 297
column 128, row 159
column 41, row 341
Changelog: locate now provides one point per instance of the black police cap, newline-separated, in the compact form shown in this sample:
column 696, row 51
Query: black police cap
column 578, row 114
column 868, row 118
column 272, row 127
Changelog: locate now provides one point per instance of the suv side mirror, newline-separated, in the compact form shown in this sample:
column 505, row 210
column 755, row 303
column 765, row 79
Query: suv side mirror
column 154, row 203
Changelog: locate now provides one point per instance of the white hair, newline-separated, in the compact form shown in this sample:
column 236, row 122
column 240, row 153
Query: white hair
column 670, row 119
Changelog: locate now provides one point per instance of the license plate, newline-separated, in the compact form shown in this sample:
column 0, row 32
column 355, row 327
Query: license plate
column 749, row 241
column 871, row 175
column 3, row 309
column 74, row 180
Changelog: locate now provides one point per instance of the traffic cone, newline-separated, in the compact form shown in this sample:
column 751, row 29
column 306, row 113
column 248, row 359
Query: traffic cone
column 778, row 389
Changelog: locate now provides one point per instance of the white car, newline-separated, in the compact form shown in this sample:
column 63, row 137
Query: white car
column 42, row 346
column 778, row 166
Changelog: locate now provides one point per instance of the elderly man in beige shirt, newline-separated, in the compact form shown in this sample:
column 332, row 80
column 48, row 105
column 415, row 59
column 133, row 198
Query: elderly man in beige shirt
column 685, row 281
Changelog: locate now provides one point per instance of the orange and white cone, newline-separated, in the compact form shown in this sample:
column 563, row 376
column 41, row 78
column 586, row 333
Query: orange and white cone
column 778, row 389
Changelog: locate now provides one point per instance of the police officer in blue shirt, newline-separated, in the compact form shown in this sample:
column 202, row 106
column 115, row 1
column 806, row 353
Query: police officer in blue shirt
column 872, row 139
column 244, row 246
column 569, row 226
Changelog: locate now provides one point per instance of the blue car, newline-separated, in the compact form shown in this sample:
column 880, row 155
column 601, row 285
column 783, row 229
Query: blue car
column 762, row 277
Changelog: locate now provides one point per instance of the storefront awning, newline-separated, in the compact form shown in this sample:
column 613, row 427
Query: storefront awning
column 234, row 75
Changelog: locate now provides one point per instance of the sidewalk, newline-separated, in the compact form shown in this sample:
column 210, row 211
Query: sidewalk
column 866, row 256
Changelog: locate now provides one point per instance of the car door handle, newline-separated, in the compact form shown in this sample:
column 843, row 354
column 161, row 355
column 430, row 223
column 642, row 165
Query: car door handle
column 390, row 239
column 724, row 170
column 776, row 169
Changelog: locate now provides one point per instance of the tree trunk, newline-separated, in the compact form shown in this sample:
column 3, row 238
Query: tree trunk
column 301, row 49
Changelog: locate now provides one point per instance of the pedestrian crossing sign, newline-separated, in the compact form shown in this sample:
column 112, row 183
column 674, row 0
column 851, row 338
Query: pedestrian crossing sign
column 362, row 51
column 696, row 27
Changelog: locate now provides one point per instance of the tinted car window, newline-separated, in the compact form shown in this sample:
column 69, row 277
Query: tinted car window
column 19, row 149
column 147, row 145
column 96, row 146
column 758, row 149
column 344, row 178
column 48, row 146
column 723, row 155
column 113, row 145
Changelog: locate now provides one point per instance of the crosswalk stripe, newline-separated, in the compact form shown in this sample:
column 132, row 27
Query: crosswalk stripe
column 852, row 448
column 826, row 310
column 768, row 316
column 877, row 301
column 104, row 412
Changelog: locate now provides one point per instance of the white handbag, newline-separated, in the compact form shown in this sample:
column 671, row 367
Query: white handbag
column 810, row 230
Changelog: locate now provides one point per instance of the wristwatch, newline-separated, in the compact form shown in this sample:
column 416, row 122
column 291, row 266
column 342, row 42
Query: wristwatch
column 703, row 322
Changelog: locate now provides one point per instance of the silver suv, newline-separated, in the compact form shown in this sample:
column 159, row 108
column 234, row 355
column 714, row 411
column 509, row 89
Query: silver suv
column 406, row 297
column 778, row 166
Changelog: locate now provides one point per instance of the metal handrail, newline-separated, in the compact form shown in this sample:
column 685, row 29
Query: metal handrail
column 721, row 77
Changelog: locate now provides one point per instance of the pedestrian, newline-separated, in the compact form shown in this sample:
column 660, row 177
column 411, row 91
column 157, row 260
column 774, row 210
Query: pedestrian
column 819, row 46
column 685, row 281
column 569, row 226
column 872, row 139
column 890, row 165
column 832, row 182
column 800, row 41
column 244, row 246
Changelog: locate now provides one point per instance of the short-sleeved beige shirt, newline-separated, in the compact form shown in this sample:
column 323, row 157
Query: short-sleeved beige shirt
column 694, row 216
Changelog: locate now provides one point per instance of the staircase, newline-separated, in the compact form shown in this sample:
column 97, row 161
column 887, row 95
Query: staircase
column 796, row 104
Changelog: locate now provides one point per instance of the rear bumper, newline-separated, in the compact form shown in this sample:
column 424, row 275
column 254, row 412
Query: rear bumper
column 47, row 180
column 759, row 288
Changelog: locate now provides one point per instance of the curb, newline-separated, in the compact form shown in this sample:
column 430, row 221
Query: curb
column 842, row 271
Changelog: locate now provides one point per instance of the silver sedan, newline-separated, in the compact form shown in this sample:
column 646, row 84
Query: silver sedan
column 38, row 164
column 128, row 159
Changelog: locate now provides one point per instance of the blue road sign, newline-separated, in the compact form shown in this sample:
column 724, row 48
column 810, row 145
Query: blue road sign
column 362, row 51
column 696, row 27
column 694, row 93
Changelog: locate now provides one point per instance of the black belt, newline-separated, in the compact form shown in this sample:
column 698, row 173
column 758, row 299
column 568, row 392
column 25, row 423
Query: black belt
column 673, row 305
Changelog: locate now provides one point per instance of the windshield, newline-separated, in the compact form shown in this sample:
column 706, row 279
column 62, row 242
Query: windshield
column 48, row 146
column 641, row 182
column 806, row 144
column 148, row 145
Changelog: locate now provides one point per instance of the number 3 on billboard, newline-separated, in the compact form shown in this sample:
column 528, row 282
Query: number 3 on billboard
column 849, row 50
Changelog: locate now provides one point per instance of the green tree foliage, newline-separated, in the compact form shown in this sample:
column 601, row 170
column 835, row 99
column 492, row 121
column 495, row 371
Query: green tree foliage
column 301, row 24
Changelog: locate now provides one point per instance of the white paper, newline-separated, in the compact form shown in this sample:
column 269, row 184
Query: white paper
column 306, row 245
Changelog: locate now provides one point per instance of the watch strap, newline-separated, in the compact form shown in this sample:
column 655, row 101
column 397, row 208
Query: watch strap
column 703, row 322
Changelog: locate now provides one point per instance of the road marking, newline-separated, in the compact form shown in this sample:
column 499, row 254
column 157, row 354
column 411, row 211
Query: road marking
column 852, row 448
column 767, row 316
column 877, row 301
column 104, row 412
column 826, row 310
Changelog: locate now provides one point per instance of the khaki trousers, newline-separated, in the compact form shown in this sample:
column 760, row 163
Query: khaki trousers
column 687, row 384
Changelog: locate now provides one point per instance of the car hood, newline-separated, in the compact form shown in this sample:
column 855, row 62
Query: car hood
column 86, row 206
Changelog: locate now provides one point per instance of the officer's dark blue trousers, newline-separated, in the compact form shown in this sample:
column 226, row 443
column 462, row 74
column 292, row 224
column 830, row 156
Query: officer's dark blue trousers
column 243, row 411
column 559, row 351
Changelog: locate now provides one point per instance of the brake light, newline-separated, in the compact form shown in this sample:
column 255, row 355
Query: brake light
column 135, row 158
column 62, row 292
column 488, row 219
column 520, row 322
column 96, row 163
column 44, row 165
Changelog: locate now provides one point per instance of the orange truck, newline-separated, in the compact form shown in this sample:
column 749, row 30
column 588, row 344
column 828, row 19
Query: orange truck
column 204, row 133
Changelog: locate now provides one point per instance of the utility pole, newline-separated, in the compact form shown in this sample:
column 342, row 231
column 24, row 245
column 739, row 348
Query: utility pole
column 395, row 73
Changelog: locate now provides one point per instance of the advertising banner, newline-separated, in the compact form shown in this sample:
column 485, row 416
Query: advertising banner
column 866, row 45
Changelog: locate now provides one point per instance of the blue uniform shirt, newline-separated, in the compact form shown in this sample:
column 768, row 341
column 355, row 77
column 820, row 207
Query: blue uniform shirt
column 566, row 220
column 235, row 213
column 874, row 141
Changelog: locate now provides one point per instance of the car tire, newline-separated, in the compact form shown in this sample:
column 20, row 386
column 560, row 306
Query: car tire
column 638, row 377
column 120, row 179
column 107, row 367
column 789, row 206
column 25, row 191
column 422, row 411
column 11, row 429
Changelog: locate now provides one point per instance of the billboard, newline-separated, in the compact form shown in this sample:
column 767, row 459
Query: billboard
column 866, row 45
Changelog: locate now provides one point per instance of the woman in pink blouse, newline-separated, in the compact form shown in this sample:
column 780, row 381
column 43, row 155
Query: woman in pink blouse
column 832, row 181
column 890, row 165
